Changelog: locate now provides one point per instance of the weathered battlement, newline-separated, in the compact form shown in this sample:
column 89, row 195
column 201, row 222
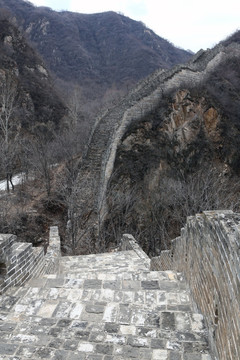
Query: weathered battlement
column 208, row 255
column 19, row 262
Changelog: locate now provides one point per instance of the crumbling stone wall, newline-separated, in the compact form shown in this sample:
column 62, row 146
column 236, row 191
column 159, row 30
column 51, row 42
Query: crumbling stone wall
column 208, row 254
column 20, row 261
column 52, row 257
column 129, row 243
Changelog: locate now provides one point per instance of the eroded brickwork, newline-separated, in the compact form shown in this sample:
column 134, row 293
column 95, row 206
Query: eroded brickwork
column 102, row 307
column 208, row 254
column 19, row 262
column 112, row 306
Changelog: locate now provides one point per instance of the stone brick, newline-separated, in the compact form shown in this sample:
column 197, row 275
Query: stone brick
column 78, row 356
column 125, row 313
column 173, row 355
column 131, row 285
column 149, row 285
column 25, row 351
column 160, row 355
column 55, row 331
column 61, row 355
column 128, row 330
column 193, row 356
column 116, row 339
column 97, row 309
column 7, row 327
column 71, row 344
column 104, row 349
column 111, row 327
column 168, row 321
column 44, row 353
column 85, row 347
column 97, row 337
column 127, row 352
column 158, row 344
column 195, row 347
column 82, row 334
column 92, row 284
column 138, row 341
column 114, row 285
column 56, row 343
column 7, row 349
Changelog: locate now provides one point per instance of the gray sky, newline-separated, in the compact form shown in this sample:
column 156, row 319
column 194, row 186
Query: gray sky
column 188, row 24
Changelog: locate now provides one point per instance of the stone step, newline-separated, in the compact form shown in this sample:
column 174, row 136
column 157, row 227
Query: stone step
column 102, row 307
column 60, row 338
column 101, row 331
column 55, row 322
column 116, row 262
column 124, row 275
column 150, row 299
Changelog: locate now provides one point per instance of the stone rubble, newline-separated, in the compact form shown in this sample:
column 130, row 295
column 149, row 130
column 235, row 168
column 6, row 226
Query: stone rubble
column 102, row 307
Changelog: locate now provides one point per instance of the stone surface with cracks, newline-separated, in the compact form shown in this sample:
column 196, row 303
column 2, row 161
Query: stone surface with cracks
column 102, row 307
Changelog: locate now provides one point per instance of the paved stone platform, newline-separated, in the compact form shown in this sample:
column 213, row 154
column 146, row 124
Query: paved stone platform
column 102, row 307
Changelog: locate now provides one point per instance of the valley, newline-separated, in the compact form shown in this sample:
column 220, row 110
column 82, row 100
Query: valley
column 140, row 142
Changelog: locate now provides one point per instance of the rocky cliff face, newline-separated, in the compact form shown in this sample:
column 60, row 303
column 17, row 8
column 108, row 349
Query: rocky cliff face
column 98, row 51
column 166, row 149
column 37, row 102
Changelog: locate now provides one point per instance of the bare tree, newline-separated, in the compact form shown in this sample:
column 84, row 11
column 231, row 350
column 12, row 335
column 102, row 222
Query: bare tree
column 40, row 154
column 156, row 216
column 8, row 133
column 79, row 237
column 75, row 105
column 184, row 195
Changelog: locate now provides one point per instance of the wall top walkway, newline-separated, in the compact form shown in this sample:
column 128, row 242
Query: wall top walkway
column 102, row 307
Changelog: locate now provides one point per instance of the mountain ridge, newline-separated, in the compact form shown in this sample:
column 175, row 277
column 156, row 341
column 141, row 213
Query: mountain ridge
column 101, row 50
column 172, row 125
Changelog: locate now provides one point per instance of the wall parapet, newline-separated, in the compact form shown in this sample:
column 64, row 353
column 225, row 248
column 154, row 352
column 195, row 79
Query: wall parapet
column 208, row 254
column 163, row 261
column 128, row 242
column 53, row 253
column 19, row 262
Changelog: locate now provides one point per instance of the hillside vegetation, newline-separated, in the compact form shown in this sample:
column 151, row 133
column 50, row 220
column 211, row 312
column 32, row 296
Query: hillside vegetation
column 32, row 115
column 180, row 159
column 168, row 149
column 98, row 51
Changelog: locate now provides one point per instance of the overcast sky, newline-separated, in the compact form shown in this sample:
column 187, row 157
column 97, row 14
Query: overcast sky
column 188, row 24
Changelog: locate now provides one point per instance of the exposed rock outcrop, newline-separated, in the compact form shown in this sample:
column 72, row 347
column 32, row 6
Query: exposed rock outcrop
column 37, row 100
column 171, row 120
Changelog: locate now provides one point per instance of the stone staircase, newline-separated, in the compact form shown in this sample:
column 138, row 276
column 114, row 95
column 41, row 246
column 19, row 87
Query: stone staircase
column 102, row 307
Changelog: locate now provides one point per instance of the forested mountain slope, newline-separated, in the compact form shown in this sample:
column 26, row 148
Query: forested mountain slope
column 36, row 102
column 31, row 115
column 168, row 150
column 99, row 51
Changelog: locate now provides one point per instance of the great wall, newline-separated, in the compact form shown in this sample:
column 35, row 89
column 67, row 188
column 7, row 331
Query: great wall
column 122, row 305
column 182, row 305
column 98, row 161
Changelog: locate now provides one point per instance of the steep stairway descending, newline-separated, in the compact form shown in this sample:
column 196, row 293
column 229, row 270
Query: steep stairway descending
column 102, row 307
